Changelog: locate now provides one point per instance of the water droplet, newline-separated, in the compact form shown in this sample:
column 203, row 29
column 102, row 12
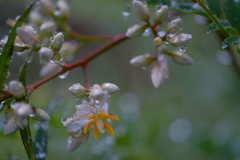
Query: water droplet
column 17, row 18
column 182, row 48
column 63, row 120
column 64, row 75
column 145, row 4
column 4, row 123
column 56, row 58
column 51, row 39
column 125, row 15
column 31, row 115
column 43, row 62
column 158, row 7
column 147, row 32
column 29, row 58
column 8, row 73
column 102, row 131
column 76, row 98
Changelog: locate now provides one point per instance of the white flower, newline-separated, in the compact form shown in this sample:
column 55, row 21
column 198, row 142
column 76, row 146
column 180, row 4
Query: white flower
column 141, row 10
column 77, row 90
column 27, row 35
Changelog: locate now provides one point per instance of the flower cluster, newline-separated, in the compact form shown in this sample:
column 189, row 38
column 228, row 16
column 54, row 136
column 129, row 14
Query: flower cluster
column 92, row 112
column 172, row 35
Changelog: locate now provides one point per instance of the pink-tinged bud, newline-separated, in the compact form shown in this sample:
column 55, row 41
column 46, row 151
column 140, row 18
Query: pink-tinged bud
column 57, row 42
column 175, row 25
column 11, row 126
column 160, row 71
column 49, row 69
column 45, row 53
column 36, row 18
column 41, row 115
column 110, row 88
column 180, row 39
column 64, row 10
column 161, row 15
column 17, row 89
column 96, row 92
column 77, row 90
column 157, row 41
column 141, row 10
column 48, row 27
column 136, row 30
column 141, row 60
column 182, row 58
column 27, row 35
column 19, row 46
column 46, row 7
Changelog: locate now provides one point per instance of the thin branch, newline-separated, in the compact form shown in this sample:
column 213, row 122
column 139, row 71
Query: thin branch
column 113, row 42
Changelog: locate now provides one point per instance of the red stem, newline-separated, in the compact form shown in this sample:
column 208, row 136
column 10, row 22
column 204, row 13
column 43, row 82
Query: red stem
column 81, row 63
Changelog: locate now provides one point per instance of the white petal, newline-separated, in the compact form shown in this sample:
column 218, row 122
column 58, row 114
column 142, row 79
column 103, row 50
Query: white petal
column 157, row 75
column 73, row 144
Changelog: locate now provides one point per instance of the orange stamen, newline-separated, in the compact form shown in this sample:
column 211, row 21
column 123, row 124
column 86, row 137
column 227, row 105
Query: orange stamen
column 85, row 130
column 95, row 132
column 108, row 129
column 107, row 116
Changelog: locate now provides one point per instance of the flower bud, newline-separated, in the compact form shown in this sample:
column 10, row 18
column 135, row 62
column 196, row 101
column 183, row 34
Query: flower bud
column 161, row 15
column 96, row 92
column 141, row 60
column 109, row 87
column 11, row 126
column 48, row 27
column 73, row 144
column 77, row 90
column 180, row 39
column 19, row 46
column 57, row 42
column 136, row 30
column 68, row 122
column 41, row 115
column 49, row 69
column 182, row 58
column 45, row 53
column 24, row 110
column 141, row 10
column 27, row 35
column 68, row 48
column 174, row 25
column 157, row 41
column 74, row 130
column 17, row 89
column 36, row 18
column 63, row 12
column 46, row 7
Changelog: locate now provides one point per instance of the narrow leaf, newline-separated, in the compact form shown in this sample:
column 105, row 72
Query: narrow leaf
column 229, row 41
column 215, row 7
column 7, row 51
column 232, row 12
column 213, row 27
column 40, row 144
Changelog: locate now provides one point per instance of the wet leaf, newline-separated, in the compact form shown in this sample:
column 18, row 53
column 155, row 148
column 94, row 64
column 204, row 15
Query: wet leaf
column 232, row 12
column 229, row 41
column 215, row 7
column 213, row 27
column 7, row 51
column 183, row 6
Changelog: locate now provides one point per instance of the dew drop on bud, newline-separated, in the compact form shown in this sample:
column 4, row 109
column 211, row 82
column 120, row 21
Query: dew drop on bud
column 102, row 131
column 125, row 15
column 64, row 75
column 55, row 58
column 76, row 98
column 43, row 62
column 63, row 120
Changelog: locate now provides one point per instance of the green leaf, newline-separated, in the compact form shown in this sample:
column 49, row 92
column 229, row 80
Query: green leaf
column 183, row 6
column 7, row 51
column 232, row 12
column 213, row 27
column 40, row 144
column 215, row 7
column 229, row 41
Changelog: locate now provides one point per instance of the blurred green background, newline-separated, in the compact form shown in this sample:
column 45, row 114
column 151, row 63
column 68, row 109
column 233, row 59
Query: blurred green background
column 194, row 115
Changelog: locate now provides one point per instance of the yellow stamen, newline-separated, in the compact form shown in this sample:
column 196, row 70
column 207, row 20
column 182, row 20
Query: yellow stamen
column 91, row 116
column 108, row 128
column 95, row 132
column 85, row 130
column 107, row 116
